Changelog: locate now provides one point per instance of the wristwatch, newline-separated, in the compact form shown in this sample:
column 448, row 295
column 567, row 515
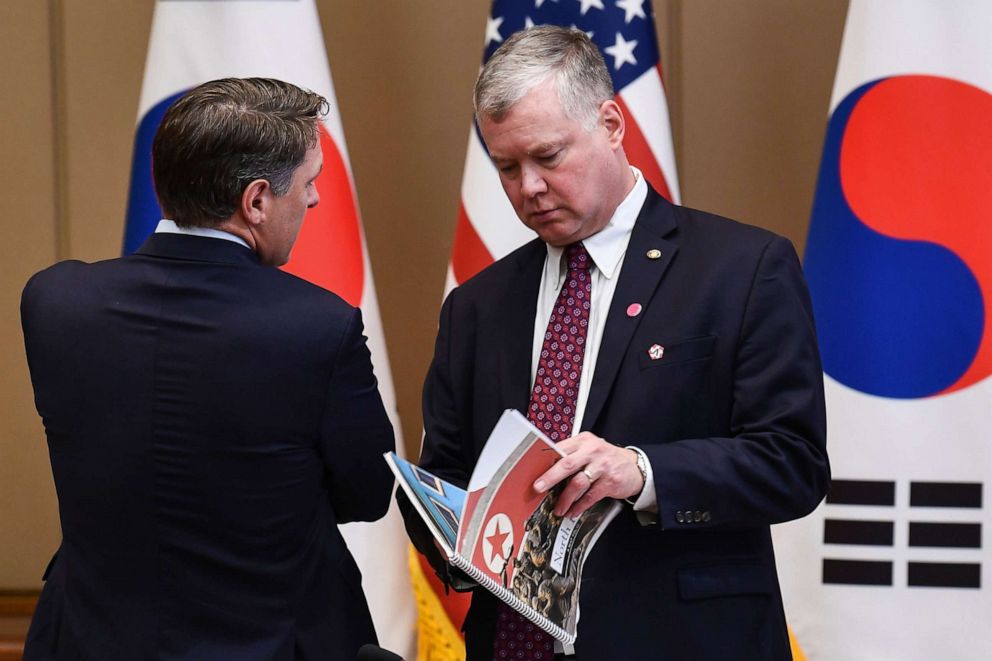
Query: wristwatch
column 642, row 466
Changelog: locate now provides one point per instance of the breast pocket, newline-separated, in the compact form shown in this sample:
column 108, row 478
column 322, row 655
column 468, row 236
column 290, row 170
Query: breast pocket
column 661, row 354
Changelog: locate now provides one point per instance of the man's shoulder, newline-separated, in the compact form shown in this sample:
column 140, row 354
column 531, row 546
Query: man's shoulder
column 268, row 284
column 72, row 273
column 715, row 233
column 289, row 292
column 497, row 274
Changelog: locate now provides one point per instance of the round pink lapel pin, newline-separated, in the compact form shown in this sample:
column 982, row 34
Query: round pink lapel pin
column 633, row 309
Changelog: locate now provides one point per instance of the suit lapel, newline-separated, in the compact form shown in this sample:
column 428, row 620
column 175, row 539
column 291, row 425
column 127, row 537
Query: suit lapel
column 517, row 335
column 639, row 278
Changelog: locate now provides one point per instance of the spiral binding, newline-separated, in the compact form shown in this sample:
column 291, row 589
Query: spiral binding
column 511, row 600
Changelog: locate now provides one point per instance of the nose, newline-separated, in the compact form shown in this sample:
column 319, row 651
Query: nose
column 314, row 198
column 532, row 182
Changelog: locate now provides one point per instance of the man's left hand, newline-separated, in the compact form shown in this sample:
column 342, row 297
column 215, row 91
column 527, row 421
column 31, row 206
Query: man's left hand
column 595, row 469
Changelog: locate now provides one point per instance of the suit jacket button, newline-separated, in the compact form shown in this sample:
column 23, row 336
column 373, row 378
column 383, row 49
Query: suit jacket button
column 706, row 516
column 679, row 517
column 697, row 516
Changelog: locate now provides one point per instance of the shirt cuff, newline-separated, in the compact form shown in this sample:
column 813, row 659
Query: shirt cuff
column 646, row 505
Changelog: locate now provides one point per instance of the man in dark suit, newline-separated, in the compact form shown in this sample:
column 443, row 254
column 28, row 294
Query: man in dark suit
column 679, row 345
column 210, row 418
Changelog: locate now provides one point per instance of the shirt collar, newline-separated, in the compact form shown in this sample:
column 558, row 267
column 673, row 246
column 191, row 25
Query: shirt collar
column 166, row 226
column 607, row 246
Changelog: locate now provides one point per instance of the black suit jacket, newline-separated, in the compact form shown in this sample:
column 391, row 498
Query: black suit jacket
column 731, row 418
column 210, row 421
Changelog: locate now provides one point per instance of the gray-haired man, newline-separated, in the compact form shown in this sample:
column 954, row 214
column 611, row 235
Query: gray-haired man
column 689, row 386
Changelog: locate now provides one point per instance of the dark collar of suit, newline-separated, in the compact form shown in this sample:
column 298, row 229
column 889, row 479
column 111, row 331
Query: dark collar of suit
column 196, row 248
column 640, row 275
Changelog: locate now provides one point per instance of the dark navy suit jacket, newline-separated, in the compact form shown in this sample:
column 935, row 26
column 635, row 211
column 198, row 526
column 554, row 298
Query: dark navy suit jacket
column 731, row 418
column 210, row 421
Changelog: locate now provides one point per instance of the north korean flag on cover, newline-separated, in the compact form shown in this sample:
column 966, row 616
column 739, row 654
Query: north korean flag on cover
column 895, row 563
column 194, row 41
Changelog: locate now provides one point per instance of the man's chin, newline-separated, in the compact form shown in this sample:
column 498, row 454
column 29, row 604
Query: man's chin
column 558, row 236
column 555, row 233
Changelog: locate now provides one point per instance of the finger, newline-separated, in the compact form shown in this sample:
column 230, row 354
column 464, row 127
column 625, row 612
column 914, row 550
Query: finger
column 569, row 445
column 574, row 443
column 592, row 496
column 573, row 491
column 562, row 469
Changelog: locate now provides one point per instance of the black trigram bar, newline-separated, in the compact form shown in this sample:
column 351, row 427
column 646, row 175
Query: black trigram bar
column 948, row 535
column 945, row 494
column 862, row 492
column 857, row 572
column 945, row 575
column 846, row 531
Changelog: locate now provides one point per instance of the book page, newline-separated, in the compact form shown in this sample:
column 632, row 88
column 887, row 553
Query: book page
column 439, row 503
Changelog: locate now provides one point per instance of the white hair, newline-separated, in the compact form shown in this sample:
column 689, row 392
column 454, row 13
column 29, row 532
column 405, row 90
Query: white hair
column 532, row 56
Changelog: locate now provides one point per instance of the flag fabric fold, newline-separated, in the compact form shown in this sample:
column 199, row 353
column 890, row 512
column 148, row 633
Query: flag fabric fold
column 195, row 41
column 899, row 264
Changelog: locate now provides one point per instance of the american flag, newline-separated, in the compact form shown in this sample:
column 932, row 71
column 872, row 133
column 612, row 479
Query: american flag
column 624, row 30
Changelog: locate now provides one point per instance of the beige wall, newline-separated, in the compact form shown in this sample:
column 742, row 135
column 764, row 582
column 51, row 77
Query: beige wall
column 748, row 80
column 27, row 212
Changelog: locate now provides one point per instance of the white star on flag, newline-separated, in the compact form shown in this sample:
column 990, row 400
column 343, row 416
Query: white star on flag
column 492, row 30
column 538, row 3
column 632, row 8
column 527, row 22
column 622, row 51
column 586, row 4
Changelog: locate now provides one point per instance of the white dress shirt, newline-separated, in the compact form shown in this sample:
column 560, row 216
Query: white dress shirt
column 606, row 248
column 166, row 226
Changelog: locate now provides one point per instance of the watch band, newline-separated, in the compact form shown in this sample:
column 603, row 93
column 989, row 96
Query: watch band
column 642, row 466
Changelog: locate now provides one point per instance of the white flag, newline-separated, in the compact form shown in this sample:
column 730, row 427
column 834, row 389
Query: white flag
column 899, row 264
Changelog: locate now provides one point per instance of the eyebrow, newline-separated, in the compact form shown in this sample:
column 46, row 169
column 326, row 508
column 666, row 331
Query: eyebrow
column 543, row 147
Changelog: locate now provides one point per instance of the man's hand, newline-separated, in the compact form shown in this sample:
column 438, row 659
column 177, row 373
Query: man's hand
column 595, row 469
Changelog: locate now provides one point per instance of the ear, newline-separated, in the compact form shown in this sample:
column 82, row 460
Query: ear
column 612, row 120
column 255, row 200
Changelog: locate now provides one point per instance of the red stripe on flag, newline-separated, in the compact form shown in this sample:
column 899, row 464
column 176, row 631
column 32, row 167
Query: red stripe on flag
column 455, row 603
column 468, row 254
column 328, row 251
column 639, row 154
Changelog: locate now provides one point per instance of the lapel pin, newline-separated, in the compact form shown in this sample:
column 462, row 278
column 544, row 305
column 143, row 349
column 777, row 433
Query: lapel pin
column 633, row 309
column 656, row 352
column 654, row 253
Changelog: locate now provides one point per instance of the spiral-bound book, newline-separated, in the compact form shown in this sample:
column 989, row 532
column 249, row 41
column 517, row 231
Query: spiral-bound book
column 503, row 534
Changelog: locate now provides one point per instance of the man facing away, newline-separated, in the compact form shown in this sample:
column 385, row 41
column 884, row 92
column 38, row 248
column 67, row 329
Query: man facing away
column 210, row 419
column 670, row 353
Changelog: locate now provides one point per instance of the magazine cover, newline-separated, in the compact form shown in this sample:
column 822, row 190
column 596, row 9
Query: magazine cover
column 503, row 534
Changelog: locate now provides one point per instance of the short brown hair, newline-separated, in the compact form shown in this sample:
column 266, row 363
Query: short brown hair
column 221, row 136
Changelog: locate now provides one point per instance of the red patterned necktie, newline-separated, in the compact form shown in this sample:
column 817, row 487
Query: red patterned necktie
column 552, row 410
